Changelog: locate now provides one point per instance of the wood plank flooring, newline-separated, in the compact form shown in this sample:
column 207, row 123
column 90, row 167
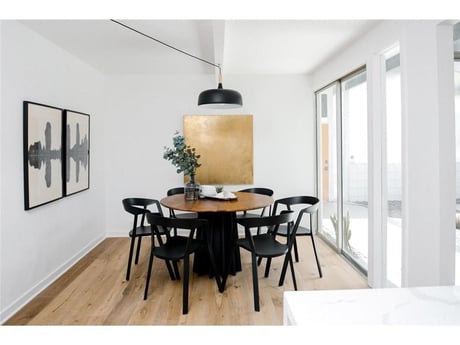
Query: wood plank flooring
column 95, row 292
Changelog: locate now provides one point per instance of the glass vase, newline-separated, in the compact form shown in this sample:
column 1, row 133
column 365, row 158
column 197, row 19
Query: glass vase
column 192, row 189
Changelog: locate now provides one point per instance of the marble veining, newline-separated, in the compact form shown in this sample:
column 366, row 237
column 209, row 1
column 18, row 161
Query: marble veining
column 438, row 305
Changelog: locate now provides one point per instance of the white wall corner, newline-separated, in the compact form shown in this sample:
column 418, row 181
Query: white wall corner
column 376, row 239
column 8, row 311
column 427, row 155
column 1, row 145
column 447, row 152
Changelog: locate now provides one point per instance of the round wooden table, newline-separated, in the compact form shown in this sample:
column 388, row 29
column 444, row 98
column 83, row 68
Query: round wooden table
column 221, row 215
column 243, row 202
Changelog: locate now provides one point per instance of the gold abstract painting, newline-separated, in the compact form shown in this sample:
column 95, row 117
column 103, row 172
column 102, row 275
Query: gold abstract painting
column 225, row 145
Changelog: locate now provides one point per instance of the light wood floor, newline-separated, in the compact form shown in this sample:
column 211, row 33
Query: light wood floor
column 95, row 292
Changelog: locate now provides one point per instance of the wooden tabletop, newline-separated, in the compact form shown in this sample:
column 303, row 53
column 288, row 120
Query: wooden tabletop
column 244, row 202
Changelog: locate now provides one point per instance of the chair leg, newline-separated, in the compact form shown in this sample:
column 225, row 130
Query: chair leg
column 138, row 250
column 287, row 257
column 259, row 261
column 316, row 256
column 291, row 263
column 149, row 272
column 130, row 257
column 255, row 282
column 296, row 252
column 267, row 267
column 172, row 275
column 176, row 270
column 185, row 285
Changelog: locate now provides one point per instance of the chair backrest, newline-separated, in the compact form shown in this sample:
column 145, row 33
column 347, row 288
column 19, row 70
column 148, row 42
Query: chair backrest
column 311, row 203
column 258, row 190
column 159, row 222
column 272, row 222
column 288, row 202
column 139, row 206
column 176, row 190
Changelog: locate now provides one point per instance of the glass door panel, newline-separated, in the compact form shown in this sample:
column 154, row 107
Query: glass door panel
column 393, row 207
column 326, row 108
column 355, row 168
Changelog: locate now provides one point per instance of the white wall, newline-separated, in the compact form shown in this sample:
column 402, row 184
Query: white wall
column 144, row 111
column 428, row 144
column 39, row 244
column 357, row 54
column 1, row 152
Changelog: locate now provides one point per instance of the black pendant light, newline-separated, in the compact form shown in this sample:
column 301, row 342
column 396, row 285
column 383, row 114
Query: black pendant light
column 219, row 98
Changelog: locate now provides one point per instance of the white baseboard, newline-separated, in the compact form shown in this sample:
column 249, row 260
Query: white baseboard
column 117, row 234
column 20, row 302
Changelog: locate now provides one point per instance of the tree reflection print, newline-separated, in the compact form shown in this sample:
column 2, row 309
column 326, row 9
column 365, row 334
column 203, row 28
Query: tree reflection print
column 43, row 154
column 76, row 139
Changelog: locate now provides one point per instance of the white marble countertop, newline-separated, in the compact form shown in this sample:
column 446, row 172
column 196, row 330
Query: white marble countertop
column 438, row 305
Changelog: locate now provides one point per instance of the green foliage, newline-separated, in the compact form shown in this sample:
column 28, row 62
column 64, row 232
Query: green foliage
column 182, row 156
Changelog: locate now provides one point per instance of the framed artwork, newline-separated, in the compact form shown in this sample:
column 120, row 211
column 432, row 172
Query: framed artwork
column 76, row 139
column 43, row 154
column 225, row 144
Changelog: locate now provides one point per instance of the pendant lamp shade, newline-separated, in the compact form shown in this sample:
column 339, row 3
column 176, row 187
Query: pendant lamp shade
column 220, row 98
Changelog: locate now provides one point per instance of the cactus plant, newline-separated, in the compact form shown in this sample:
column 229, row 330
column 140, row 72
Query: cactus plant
column 346, row 228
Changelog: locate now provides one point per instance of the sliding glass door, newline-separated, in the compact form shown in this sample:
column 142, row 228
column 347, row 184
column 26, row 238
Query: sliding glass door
column 392, row 165
column 343, row 166
column 327, row 107
column 355, row 168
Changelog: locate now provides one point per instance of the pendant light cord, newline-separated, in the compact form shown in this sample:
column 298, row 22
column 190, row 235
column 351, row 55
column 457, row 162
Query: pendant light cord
column 168, row 45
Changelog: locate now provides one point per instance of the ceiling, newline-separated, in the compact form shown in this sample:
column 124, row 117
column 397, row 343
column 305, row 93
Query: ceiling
column 240, row 46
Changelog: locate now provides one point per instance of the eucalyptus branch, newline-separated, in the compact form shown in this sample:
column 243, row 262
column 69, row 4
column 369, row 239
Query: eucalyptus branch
column 182, row 156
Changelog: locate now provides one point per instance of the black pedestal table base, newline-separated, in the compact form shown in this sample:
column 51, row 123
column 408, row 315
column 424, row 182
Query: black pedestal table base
column 220, row 242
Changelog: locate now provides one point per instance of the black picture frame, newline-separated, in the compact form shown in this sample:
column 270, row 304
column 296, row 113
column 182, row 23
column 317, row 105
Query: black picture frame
column 76, row 138
column 43, row 154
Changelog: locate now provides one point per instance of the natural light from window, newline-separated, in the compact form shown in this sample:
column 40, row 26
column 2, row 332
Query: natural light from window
column 393, row 195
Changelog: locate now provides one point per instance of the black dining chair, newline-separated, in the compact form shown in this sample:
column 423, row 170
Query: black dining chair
column 260, row 212
column 175, row 248
column 267, row 246
column 308, row 206
column 172, row 213
column 140, row 207
column 180, row 214
column 257, row 190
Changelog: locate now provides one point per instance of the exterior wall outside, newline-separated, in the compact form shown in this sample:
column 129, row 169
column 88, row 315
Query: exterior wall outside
column 358, row 182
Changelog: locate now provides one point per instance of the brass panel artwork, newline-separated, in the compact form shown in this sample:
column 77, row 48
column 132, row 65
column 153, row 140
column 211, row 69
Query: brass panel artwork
column 225, row 145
